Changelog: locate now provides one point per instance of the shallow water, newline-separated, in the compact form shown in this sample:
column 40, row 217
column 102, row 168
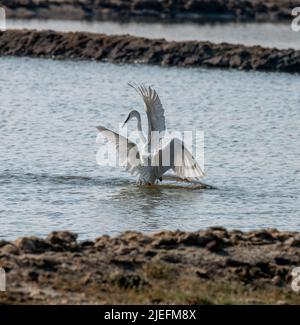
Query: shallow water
column 278, row 35
column 49, row 179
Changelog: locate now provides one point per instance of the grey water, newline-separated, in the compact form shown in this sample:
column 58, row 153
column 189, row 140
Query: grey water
column 279, row 35
column 49, row 179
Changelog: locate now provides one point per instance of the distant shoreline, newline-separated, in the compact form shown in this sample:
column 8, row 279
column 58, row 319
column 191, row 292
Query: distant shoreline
column 194, row 10
column 131, row 49
column 213, row 266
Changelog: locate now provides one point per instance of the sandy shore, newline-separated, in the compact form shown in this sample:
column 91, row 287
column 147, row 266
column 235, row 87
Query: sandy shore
column 192, row 10
column 131, row 49
column 203, row 267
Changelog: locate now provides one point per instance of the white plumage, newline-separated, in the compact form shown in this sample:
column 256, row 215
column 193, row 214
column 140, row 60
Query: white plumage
column 152, row 161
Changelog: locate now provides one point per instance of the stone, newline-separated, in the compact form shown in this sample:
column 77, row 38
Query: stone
column 128, row 280
column 32, row 245
column 10, row 249
column 62, row 240
column 135, row 266
column 192, row 10
column 131, row 49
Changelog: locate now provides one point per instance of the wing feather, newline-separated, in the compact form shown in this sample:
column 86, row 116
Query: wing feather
column 153, row 106
column 176, row 156
column 127, row 150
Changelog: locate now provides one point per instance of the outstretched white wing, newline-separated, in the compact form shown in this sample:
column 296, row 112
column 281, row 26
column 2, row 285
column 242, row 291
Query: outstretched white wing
column 177, row 157
column 127, row 151
column 153, row 106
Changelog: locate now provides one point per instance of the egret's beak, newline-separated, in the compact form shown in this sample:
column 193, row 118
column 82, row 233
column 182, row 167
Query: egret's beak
column 128, row 118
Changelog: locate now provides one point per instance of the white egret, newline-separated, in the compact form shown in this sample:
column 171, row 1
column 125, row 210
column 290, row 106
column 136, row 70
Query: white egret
column 149, row 163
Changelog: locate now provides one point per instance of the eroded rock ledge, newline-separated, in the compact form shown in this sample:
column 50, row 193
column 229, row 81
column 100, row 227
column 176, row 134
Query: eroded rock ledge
column 197, row 10
column 211, row 266
column 131, row 49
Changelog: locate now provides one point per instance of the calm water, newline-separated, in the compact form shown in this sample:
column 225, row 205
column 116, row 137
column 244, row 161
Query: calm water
column 266, row 34
column 49, row 178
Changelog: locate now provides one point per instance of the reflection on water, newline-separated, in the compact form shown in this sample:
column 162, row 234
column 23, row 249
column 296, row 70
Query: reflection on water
column 278, row 35
column 49, row 179
column 148, row 200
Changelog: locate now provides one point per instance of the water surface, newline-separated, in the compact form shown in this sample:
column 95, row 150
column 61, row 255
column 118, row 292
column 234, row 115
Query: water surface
column 49, row 179
column 278, row 35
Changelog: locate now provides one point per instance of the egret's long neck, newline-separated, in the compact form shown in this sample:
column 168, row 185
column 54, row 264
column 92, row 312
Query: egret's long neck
column 139, row 127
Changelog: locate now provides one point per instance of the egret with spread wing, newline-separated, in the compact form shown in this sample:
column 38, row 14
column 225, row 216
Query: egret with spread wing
column 151, row 162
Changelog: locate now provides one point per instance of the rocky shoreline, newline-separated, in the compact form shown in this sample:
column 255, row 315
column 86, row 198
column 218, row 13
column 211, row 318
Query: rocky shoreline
column 170, row 10
column 204, row 267
column 131, row 49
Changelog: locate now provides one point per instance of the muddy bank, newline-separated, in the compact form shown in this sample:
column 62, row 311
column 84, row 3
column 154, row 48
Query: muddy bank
column 211, row 266
column 192, row 10
column 131, row 49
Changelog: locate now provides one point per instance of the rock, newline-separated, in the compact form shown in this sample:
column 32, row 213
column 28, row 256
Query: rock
column 10, row 249
column 102, row 242
column 33, row 276
column 150, row 253
column 62, row 240
column 170, row 258
column 165, row 240
column 3, row 243
column 87, row 243
column 190, row 239
column 174, row 263
column 262, row 235
column 293, row 241
column 42, row 263
column 277, row 280
column 193, row 10
column 130, row 49
column 124, row 263
column 282, row 260
column 201, row 273
column 213, row 246
column 128, row 280
column 32, row 245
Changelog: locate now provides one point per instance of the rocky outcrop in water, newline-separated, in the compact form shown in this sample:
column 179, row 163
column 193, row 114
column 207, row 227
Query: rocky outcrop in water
column 131, row 49
column 211, row 266
column 198, row 10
